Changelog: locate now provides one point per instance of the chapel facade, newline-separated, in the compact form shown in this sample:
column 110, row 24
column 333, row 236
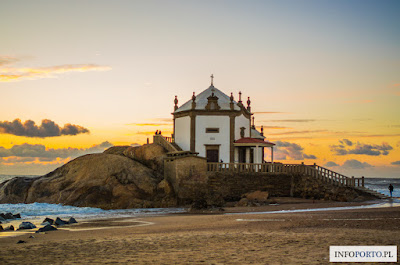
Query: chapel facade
column 214, row 125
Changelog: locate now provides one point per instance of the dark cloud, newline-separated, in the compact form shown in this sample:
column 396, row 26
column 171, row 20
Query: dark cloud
column 49, row 154
column 355, row 164
column 48, row 128
column 331, row 164
column 309, row 156
column 360, row 148
column 346, row 142
column 285, row 150
column 396, row 163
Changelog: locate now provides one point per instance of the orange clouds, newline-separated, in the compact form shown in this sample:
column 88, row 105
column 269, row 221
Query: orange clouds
column 8, row 73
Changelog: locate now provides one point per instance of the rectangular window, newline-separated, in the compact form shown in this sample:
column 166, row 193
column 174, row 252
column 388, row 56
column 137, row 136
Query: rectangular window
column 212, row 130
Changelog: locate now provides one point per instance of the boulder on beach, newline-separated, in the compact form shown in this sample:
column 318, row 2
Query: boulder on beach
column 150, row 155
column 103, row 180
column 72, row 221
column 46, row 229
column 60, row 222
column 48, row 220
column 117, row 150
column 26, row 225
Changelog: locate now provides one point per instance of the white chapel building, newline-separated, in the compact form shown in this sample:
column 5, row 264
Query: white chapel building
column 217, row 127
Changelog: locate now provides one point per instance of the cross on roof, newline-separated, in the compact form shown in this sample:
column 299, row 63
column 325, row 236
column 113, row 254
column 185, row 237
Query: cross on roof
column 212, row 78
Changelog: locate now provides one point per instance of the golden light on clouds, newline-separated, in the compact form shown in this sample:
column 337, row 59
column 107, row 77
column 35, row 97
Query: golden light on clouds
column 9, row 74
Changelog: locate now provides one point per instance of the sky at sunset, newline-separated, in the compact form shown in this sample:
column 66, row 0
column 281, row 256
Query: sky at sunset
column 323, row 77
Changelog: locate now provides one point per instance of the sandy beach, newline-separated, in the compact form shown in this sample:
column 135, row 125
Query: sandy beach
column 278, row 238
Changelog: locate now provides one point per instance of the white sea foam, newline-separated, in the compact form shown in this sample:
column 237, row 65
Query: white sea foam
column 36, row 210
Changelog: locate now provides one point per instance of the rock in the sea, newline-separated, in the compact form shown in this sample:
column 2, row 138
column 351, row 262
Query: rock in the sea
column 17, row 216
column 98, row 180
column 26, row 225
column 46, row 229
column 60, row 222
column 9, row 216
column 48, row 220
column 72, row 221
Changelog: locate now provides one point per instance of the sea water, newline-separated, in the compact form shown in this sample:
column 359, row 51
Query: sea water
column 382, row 185
column 39, row 210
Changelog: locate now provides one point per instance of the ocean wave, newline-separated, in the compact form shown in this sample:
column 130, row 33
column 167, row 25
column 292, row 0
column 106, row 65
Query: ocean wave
column 35, row 210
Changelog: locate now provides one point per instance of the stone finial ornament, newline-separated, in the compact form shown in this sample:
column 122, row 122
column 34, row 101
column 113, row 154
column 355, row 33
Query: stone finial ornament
column 248, row 104
column 193, row 101
column 176, row 103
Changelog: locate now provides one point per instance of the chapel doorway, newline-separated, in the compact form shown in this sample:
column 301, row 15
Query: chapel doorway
column 212, row 153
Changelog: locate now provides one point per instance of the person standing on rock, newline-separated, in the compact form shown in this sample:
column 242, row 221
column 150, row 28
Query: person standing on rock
column 391, row 189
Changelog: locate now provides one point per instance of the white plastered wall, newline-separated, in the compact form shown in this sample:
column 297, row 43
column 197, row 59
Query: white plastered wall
column 221, row 138
column 242, row 121
column 182, row 132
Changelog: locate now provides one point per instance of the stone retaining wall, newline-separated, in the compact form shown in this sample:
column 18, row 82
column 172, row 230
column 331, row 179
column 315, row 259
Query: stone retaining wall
column 232, row 185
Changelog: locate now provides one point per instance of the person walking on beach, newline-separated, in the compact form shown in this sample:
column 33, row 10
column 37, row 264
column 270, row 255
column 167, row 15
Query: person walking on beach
column 391, row 189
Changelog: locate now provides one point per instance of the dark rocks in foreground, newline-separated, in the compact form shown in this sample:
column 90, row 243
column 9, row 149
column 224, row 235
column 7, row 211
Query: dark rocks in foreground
column 48, row 225
column 9, row 216
column 26, row 225
column 46, row 228
column 48, row 220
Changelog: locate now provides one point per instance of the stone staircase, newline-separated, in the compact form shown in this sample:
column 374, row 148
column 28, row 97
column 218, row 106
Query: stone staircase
column 177, row 147
column 166, row 142
column 372, row 192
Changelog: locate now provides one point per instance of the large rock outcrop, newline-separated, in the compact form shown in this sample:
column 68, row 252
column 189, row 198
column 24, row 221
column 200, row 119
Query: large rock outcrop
column 109, row 180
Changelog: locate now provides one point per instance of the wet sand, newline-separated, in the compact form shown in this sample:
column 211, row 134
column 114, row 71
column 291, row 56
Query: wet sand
column 280, row 238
